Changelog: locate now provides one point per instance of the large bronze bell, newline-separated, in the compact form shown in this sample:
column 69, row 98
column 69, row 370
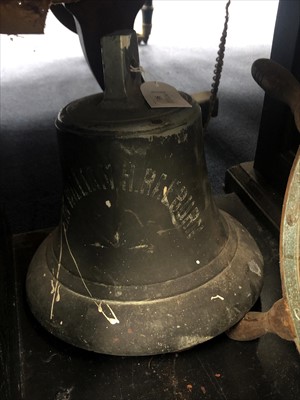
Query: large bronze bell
column 143, row 262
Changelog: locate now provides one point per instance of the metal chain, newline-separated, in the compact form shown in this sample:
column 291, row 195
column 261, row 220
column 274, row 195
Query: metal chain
column 218, row 66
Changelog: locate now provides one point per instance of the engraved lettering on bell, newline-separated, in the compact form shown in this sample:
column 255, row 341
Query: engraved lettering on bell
column 184, row 213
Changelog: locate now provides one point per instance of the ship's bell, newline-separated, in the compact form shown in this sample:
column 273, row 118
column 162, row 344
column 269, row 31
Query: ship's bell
column 142, row 262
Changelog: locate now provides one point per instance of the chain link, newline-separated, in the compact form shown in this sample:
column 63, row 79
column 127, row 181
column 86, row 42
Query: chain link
column 218, row 66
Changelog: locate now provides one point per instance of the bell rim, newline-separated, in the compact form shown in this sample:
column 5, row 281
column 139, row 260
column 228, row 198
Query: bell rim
column 222, row 304
column 156, row 291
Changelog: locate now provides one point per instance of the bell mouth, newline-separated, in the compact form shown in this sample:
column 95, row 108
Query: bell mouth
column 150, row 268
column 172, row 315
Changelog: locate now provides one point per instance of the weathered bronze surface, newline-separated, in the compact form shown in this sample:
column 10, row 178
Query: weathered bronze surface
column 290, row 249
column 284, row 317
column 143, row 262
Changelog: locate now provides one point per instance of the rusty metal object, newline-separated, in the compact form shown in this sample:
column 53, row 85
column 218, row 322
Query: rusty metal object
column 284, row 317
column 25, row 16
column 29, row 16
column 256, row 324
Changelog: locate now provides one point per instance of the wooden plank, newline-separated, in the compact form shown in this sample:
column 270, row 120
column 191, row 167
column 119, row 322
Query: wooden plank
column 255, row 192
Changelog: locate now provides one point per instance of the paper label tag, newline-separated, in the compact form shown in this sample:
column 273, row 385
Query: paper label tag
column 162, row 95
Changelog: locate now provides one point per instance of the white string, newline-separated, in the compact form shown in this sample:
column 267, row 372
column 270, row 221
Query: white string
column 142, row 70
column 136, row 69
